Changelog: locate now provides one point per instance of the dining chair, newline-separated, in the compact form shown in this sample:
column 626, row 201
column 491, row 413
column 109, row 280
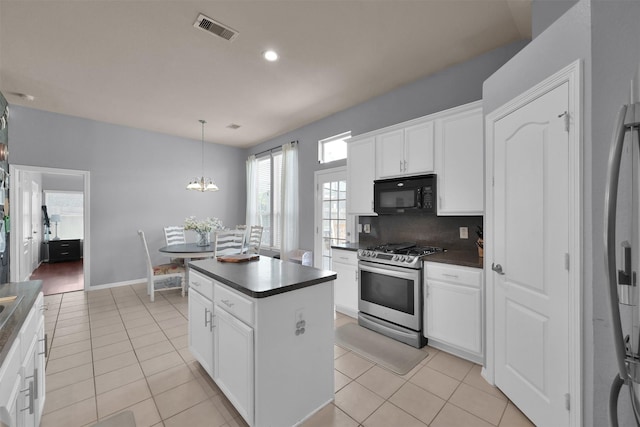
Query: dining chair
column 174, row 235
column 254, row 240
column 163, row 276
column 228, row 242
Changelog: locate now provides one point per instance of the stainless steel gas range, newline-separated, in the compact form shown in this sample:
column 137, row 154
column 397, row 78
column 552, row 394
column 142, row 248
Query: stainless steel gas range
column 390, row 290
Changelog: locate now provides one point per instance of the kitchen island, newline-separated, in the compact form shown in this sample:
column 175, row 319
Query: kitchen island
column 263, row 330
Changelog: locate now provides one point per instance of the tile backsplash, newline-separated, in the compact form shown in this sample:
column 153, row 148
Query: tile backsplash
column 430, row 230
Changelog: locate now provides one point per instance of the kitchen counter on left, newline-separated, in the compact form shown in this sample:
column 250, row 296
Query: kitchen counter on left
column 264, row 277
column 27, row 292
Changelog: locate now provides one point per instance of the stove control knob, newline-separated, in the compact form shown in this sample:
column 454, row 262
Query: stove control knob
column 394, row 258
column 409, row 259
column 399, row 258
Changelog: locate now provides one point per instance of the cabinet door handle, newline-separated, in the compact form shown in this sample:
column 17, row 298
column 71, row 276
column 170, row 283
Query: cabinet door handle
column 35, row 385
column 400, row 165
column 46, row 346
column 356, row 275
column 405, row 165
column 30, row 394
column 207, row 318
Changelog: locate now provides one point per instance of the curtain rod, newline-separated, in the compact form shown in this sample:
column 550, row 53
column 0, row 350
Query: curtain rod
column 271, row 150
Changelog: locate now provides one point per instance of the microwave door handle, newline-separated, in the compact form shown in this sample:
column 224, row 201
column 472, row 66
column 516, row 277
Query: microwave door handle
column 419, row 198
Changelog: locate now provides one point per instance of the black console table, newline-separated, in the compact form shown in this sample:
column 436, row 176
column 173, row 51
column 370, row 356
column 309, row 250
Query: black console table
column 62, row 250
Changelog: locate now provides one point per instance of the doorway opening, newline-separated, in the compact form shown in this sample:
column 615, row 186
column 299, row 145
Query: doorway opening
column 50, row 227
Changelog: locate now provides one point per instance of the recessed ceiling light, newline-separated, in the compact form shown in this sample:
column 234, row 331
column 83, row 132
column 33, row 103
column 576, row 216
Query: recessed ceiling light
column 270, row 55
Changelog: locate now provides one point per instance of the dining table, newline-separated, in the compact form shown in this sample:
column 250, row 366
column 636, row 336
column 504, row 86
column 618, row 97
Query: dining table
column 188, row 251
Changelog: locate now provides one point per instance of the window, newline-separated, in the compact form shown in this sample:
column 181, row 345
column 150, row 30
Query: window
column 69, row 205
column 269, row 197
column 334, row 148
column 334, row 217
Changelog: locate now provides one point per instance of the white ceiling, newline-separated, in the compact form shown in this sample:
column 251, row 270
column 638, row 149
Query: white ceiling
column 143, row 64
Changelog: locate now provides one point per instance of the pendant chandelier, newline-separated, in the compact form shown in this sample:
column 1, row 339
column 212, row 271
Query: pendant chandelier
column 202, row 184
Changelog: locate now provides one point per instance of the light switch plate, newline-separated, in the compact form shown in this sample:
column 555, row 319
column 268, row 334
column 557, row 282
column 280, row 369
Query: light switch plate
column 359, row 228
column 464, row 232
column 367, row 228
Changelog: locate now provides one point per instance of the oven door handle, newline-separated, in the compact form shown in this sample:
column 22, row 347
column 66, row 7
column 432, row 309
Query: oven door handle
column 404, row 272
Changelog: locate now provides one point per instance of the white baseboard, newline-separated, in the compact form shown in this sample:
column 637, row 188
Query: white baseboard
column 115, row 284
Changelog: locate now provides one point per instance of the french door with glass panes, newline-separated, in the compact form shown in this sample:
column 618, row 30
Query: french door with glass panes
column 332, row 224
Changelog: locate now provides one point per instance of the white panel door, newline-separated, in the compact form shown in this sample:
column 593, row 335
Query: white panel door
column 531, row 174
column 36, row 224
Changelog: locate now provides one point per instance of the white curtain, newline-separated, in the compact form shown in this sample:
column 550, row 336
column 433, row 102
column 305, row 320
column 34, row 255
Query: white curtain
column 289, row 205
column 252, row 192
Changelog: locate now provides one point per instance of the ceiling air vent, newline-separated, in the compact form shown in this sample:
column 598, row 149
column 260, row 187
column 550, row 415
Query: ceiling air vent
column 233, row 126
column 213, row 27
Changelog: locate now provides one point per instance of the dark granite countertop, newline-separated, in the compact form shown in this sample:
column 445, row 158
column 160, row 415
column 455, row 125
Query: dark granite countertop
column 467, row 258
column 349, row 246
column 264, row 277
column 29, row 292
column 458, row 257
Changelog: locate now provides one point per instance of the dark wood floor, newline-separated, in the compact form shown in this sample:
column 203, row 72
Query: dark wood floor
column 59, row 277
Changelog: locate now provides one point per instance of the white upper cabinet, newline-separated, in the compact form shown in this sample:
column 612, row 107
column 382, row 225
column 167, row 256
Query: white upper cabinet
column 405, row 151
column 361, row 161
column 460, row 161
column 418, row 148
column 449, row 143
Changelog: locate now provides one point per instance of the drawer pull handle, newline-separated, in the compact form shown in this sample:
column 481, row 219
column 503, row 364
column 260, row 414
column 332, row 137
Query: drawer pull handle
column 455, row 276
column 195, row 283
column 227, row 303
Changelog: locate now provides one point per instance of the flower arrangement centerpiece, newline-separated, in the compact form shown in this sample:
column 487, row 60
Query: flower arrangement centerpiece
column 203, row 228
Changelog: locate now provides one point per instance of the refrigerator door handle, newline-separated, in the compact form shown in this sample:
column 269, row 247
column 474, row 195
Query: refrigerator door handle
column 611, row 198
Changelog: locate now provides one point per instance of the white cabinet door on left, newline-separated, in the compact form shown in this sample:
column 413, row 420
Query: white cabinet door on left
column 201, row 329
column 234, row 362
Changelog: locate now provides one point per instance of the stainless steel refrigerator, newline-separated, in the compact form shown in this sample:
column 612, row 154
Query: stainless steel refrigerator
column 622, row 251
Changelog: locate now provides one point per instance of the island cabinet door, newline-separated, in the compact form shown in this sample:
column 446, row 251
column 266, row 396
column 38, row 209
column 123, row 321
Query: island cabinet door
column 234, row 362
column 201, row 330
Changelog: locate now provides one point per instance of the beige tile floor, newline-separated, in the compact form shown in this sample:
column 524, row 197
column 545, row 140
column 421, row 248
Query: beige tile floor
column 113, row 350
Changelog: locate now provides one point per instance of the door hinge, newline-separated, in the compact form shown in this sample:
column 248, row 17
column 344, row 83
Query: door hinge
column 567, row 261
column 566, row 120
column 567, row 401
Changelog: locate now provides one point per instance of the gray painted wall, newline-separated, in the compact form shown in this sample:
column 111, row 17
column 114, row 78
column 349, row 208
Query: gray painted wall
column 454, row 86
column 137, row 180
column 546, row 12
column 606, row 36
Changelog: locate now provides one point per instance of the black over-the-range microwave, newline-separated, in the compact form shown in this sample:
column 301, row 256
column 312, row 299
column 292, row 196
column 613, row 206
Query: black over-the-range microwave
column 415, row 194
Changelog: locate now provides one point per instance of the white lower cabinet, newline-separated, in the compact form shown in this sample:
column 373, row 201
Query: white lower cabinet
column 345, row 264
column 453, row 309
column 201, row 330
column 234, row 362
column 22, row 387
column 272, row 357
